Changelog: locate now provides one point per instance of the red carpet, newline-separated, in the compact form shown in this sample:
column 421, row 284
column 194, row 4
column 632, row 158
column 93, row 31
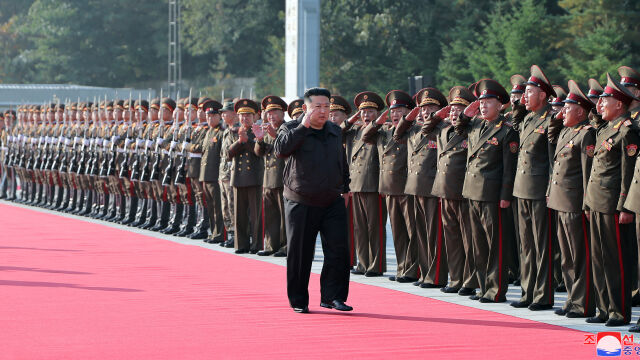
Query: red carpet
column 70, row 289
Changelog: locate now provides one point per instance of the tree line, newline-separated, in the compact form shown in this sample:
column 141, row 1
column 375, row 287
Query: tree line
column 373, row 45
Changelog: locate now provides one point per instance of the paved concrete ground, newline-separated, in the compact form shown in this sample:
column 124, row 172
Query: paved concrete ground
column 513, row 293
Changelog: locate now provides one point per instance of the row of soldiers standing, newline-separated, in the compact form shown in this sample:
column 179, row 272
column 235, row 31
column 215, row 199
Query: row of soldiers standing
column 477, row 197
column 543, row 195
column 193, row 168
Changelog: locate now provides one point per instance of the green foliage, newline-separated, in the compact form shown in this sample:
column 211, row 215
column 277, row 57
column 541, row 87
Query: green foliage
column 365, row 45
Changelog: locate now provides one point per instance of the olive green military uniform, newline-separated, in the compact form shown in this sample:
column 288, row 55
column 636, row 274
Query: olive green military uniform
column 209, row 173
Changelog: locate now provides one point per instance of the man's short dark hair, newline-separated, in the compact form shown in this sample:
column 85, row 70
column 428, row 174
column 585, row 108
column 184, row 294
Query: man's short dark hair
column 316, row 91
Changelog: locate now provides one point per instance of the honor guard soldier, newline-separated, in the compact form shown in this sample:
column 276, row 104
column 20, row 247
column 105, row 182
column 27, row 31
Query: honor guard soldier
column 456, row 225
column 369, row 210
column 195, row 151
column 209, row 171
column 229, row 136
column 529, row 189
column 339, row 112
column 572, row 161
column 611, row 176
column 164, row 137
column 488, row 184
column 183, row 186
column 274, row 232
column 392, row 179
column 246, row 180
column 422, row 160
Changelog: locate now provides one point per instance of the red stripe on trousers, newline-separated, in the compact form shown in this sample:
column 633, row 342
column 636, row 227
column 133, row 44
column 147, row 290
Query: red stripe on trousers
column 588, row 260
column 621, row 264
column 550, row 256
column 164, row 193
column 439, row 246
column 262, row 216
column 499, row 253
column 350, row 215
column 380, row 230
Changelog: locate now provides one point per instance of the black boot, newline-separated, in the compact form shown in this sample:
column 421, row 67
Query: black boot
column 141, row 213
column 200, row 230
column 173, row 225
column 78, row 204
column 87, row 203
column 71, row 203
column 112, row 210
column 121, row 208
column 151, row 215
column 188, row 222
column 64, row 197
column 163, row 210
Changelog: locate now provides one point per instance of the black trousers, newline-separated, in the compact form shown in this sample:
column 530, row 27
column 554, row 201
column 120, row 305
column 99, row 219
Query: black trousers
column 303, row 223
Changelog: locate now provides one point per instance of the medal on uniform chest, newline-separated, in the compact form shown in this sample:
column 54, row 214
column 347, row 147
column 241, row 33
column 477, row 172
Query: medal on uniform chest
column 540, row 130
column 432, row 145
column 632, row 149
column 590, row 150
column 569, row 145
column 493, row 141
column 607, row 144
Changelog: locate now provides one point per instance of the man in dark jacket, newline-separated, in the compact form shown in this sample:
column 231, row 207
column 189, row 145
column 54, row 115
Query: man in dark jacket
column 315, row 178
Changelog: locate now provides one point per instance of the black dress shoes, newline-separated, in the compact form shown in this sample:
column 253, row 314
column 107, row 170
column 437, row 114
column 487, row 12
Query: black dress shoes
column 427, row 285
column 357, row 272
column 485, row 300
column 301, row 310
column 465, row 291
column 372, row 274
column 519, row 304
column 417, row 283
column 634, row 328
column 474, row 297
column 561, row 312
column 392, row 278
column 254, row 251
column 242, row 251
column 280, row 253
column 336, row 304
column 616, row 322
column 574, row 315
column 264, row 253
column 538, row 307
column 406, row 279
column 449, row 290
column 596, row 320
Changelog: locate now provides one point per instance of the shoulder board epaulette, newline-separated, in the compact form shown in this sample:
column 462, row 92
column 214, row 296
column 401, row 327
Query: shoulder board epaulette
column 635, row 115
column 545, row 114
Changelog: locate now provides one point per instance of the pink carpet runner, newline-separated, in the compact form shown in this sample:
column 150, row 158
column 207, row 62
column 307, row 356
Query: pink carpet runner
column 71, row 289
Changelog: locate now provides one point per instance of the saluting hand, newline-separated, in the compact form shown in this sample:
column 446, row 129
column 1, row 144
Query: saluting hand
column 444, row 112
column 472, row 109
column 354, row 118
column 413, row 114
column 383, row 118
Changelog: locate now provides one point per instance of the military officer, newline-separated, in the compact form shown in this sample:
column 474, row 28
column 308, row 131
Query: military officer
column 616, row 148
column 369, row 210
column 392, row 179
column 447, row 185
column 246, row 180
column 294, row 109
column 209, row 170
column 339, row 111
column 488, row 183
column 275, row 238
column 572, row 161
column 529, row 189
column 230, row 135
column 422, row 159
